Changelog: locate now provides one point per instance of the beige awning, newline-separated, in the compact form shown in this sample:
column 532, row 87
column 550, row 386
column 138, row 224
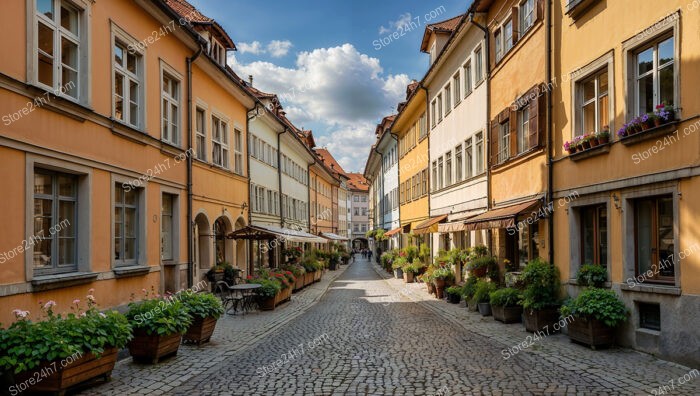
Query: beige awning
column 257, row 232
column 430, row 226
column 333, row 237
column 393, row 232
column 455, row 226
column 500, row 217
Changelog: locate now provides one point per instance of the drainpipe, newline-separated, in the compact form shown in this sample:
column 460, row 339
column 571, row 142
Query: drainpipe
column 247, row 163
column 487, row 135
column 190, row 220
column 550, row 162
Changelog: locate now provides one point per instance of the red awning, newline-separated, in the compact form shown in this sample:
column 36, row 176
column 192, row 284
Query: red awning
column 429, row 226
column 500, row 217
column 393, row 232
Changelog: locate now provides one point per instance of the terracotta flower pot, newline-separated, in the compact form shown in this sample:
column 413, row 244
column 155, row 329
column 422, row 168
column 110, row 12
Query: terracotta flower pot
column 572, row 150
column 151, row 348
column 85, row 368
column 604, row 140
column 408, row 277
column 594, row 142
column 200, row 330
column 431, row 287
column 658, row 122
column 586, row 144
column 479, row 272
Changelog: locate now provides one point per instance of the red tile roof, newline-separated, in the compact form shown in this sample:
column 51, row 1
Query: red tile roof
column 447, row 27
column 327, row 158
column 196, row 18
column 357, row 182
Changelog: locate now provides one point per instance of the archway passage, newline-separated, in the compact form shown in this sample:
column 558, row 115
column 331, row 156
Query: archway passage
column 360, row 243
column 223, row 247
column 203, row 237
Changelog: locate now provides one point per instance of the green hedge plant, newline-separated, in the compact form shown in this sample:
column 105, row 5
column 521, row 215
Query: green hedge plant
column 541, row 285
column 601, row 304
column 483, row 290
column 201, row 305
column 159, row 316
column 592, row 275
column 506, row 297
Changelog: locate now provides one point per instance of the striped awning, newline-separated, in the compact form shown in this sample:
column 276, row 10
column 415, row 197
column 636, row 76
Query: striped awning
column 393, row 232
column 430, row 226
column 501, row 217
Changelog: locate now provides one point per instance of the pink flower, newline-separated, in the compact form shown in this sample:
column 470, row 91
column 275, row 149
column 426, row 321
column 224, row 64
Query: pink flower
column 49, row 304
column 76, row 301
column 90, row 298
column 82, row 315
column 20, row 314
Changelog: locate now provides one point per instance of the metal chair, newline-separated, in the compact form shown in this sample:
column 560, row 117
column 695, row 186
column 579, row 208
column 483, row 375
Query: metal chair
column 228, row 299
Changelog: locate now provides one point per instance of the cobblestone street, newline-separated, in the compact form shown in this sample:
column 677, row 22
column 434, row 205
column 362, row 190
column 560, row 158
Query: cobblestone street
column 371, row 336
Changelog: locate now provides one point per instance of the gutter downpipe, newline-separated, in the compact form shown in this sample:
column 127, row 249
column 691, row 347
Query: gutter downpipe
column 488, row 117
column 190, row 194
column 550, row 161
column 247, row 164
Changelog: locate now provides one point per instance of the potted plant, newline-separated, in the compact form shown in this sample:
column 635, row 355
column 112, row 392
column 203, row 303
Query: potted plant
column 63, row 350
column 411, row 270
column 441, row 276
column 454, row 294
column 333, row 260
column 592, row 275
column 595, row 313
column 604, row 135
column 540, row 296
column 622, row 132
column 593, row 138
column 269, row 288
column 397, row 265
column 665, row 113
column 479, row 267
column 570, row 147
column 158, row 323
column 586, row 141
column 205, row 310
column 427, row 278
column 299, row 272
column 482, row 296
column 505, row 305
column 468, row 291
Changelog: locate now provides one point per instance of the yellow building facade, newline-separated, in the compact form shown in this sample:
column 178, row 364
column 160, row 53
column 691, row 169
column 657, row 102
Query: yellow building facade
column 631, row 204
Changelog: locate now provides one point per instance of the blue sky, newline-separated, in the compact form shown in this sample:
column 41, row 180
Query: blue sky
column 327, row 61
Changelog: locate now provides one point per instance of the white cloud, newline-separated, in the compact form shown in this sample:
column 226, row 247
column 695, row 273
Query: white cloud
column 254, row 48
column 340, row 89
column 279, row 48
column 402, row 22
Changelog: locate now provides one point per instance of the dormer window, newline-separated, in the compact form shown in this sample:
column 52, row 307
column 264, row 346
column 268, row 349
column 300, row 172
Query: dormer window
column 218, row 53
column 433, row 53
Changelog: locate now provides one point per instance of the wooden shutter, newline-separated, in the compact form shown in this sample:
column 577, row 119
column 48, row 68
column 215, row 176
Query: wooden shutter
column 539, row 10
column 516, row 23
column 493, row 142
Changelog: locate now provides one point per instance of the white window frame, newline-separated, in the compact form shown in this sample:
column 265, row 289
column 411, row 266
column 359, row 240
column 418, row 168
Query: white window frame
column 467, row 78
column 174, row 133
column 129, row 45
column 440, row 106
column 201, row 148
column 141, row 243
column 526, row 14
column 457, row 88
column 504, row 141
column 222, row 143
column 579, row 75
column 82, row 39
column 478, row 65
column 238, row 144
column 523, row 131
column 448, row 99
column 507, row 39
column 459, row 163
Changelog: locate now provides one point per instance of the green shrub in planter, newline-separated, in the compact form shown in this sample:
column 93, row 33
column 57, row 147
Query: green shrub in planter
column 26, row 343
column 541, row 285
column 444, row 274
column 415, row 267
column 202, row 305
column 483, row 290
column 469, row 288
column 481, row 266
column 592, row 275
column 269, row 287
column 600, row 304
column 159, row 316
column 454, row 290
column 506, row 297
column 399, row 263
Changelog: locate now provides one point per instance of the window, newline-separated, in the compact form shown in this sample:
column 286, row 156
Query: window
column 127, row 103
column 356, row 198
column 439, row 104
column 424, row 182
column 504, row 141
column 649, row 316
column 166, row 234
column 459, row 166
column 126, row 215
column 448, row 99
column 416, row 186
column 527, row 15
column 498, row 39
column 468, row 156
column 594, row 235
column 441, row 173
column 467, row 78
column 593, row 107
column 170, row 110
column 433, row 113
column 433, row 53
column 55, row 222
column 422, row 127
column 435, row 171
column 457, row 86
column 364, row 198
column 57, row 46
column 654, row 239
column 218, row 52
column 524, row 244
column 448, row 169
column 402, row 195
column 478, row 65
column 507, row 36
column 655, row 75
column 523, row 129
column 479, row 149
column 219, row 139
column 238, row 152
column 201, row 134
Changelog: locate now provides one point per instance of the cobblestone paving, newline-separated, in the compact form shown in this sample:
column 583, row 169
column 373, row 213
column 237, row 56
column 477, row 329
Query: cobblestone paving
column 371, row 336
column 380, row 338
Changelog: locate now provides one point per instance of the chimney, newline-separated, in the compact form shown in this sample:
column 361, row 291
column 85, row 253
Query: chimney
column 250, row 80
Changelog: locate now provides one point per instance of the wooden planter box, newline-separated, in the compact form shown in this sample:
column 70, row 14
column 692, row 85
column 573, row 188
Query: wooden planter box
column 83, row 369
column 507, row 314
column 541, row 319
column 317, row 275
column 484, row 309
column 152, row 348
column 408, row 277
column 591, row 332
column 308, row 278
column 284, row 295
column 200, row 330
column 299, row 282
column 267, row 304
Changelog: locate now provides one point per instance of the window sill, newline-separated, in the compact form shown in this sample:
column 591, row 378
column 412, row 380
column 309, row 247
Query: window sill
column 652, row 288
column 650, row 133
column 50, row 282
column 591, row 152
column 576, row 8
column 134, row 270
